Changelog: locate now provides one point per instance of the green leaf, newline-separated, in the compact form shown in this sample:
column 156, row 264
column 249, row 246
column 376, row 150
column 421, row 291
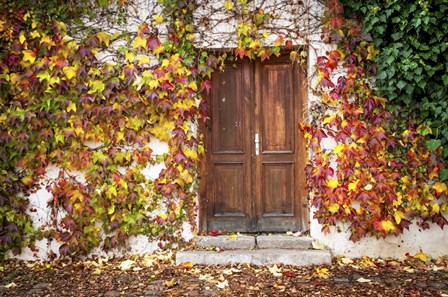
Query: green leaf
column 433, row 144
column 444, row 174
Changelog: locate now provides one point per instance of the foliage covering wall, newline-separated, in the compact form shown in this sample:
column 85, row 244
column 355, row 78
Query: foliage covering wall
column 89, row 101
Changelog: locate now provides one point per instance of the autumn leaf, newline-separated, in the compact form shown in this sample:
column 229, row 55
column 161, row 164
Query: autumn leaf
column 104, row 37
column 333, row 183
column 222, row 285
column 363, row 280
column 71, row 107
column 158, row 19
column 187, row 265
column 317, row 245
column 126, row 265
column 232, row 237
column 275, row 270
column 69, row 71
column 228, row 5
column 139, row 42
column 322, row 272
column 440, row 187
column 421, row 256
column 387, row 226
column 333, row 208
column 29, row 56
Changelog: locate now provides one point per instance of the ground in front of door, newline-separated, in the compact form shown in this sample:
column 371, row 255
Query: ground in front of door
column 157, row 275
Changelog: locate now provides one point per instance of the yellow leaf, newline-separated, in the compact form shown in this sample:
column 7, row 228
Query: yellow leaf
column 233, row 236
column 440, row 187
column 398, row 217
column 112, row 191
column 187, row 265
column 29, row 55
column 153, row 84
column 322, row 272
column 191, row 154
column 387, row 226
column 104, row 37
column 421, row 256
column 130, row 56
column 69, row 72
column 71, row 106
column 158, row 19
column 22, row 37
column 333, row 208
column 143, row 60
column 352, row 186
column 97, row 86
column 46, row 39
column 111, row 209
column 165, row 63
column 328, row 119
column 435, row 208
column 333, row 183
column 139, row 42
column 193, row 86
column 35, row 34
column 338, row 149
column 228, row 5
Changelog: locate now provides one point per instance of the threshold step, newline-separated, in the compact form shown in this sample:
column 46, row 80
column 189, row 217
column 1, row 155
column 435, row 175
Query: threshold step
column 258, row 241
column 256, row 257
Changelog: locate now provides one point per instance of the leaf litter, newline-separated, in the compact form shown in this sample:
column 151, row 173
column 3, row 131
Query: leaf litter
column 157, row 275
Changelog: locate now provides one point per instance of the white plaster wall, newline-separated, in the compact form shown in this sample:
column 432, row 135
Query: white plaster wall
column 433, row 241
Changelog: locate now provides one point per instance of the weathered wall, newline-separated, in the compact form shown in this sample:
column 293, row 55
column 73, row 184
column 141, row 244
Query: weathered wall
column 221, row 34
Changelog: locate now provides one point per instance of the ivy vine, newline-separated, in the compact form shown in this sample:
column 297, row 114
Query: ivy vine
column 380, row 176
column 412, row 62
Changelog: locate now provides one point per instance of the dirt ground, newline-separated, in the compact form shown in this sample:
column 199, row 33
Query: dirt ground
column 156, row 275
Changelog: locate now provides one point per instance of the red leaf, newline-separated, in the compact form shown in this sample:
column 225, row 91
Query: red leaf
column 206, row 85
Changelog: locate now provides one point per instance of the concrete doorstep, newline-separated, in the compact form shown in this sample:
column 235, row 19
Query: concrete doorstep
column 260, row 250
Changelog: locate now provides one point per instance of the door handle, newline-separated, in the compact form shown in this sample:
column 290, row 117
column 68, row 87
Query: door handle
column 257, row 144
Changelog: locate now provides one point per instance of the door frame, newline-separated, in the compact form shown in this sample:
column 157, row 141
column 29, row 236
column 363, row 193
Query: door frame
column 302, row 204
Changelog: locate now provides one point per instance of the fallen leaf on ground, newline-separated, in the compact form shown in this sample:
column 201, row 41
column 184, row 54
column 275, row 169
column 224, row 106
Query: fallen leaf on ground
column 187, row 265
column 232, row 237
column 223, row 284
column 363, row 280
column 322, row 272
column 317, row 245
column 275, row 270
column 170, row 283
column 10, row 285
column 126, row 265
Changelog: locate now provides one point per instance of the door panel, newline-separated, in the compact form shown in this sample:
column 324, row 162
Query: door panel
column 248, row 190
column 230, row 195
column 277, row 107
column 227, row 112
column 228, row 190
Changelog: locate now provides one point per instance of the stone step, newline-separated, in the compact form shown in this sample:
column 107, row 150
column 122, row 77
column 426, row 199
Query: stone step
column 251, row 242
column 257, row 257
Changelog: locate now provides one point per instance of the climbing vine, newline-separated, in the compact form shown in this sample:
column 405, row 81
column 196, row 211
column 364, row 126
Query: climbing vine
column 379, row 176
column 412, row 63
column 85, row 105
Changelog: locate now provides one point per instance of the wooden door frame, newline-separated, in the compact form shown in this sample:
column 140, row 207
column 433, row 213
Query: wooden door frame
column 302, row 206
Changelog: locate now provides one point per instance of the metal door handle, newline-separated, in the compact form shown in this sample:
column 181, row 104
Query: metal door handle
column 257, row 144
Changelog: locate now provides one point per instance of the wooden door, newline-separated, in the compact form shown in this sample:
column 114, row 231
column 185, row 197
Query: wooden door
column 254, row 168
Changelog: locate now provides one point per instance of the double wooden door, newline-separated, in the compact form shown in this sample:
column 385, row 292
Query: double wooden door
column 253, row 178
